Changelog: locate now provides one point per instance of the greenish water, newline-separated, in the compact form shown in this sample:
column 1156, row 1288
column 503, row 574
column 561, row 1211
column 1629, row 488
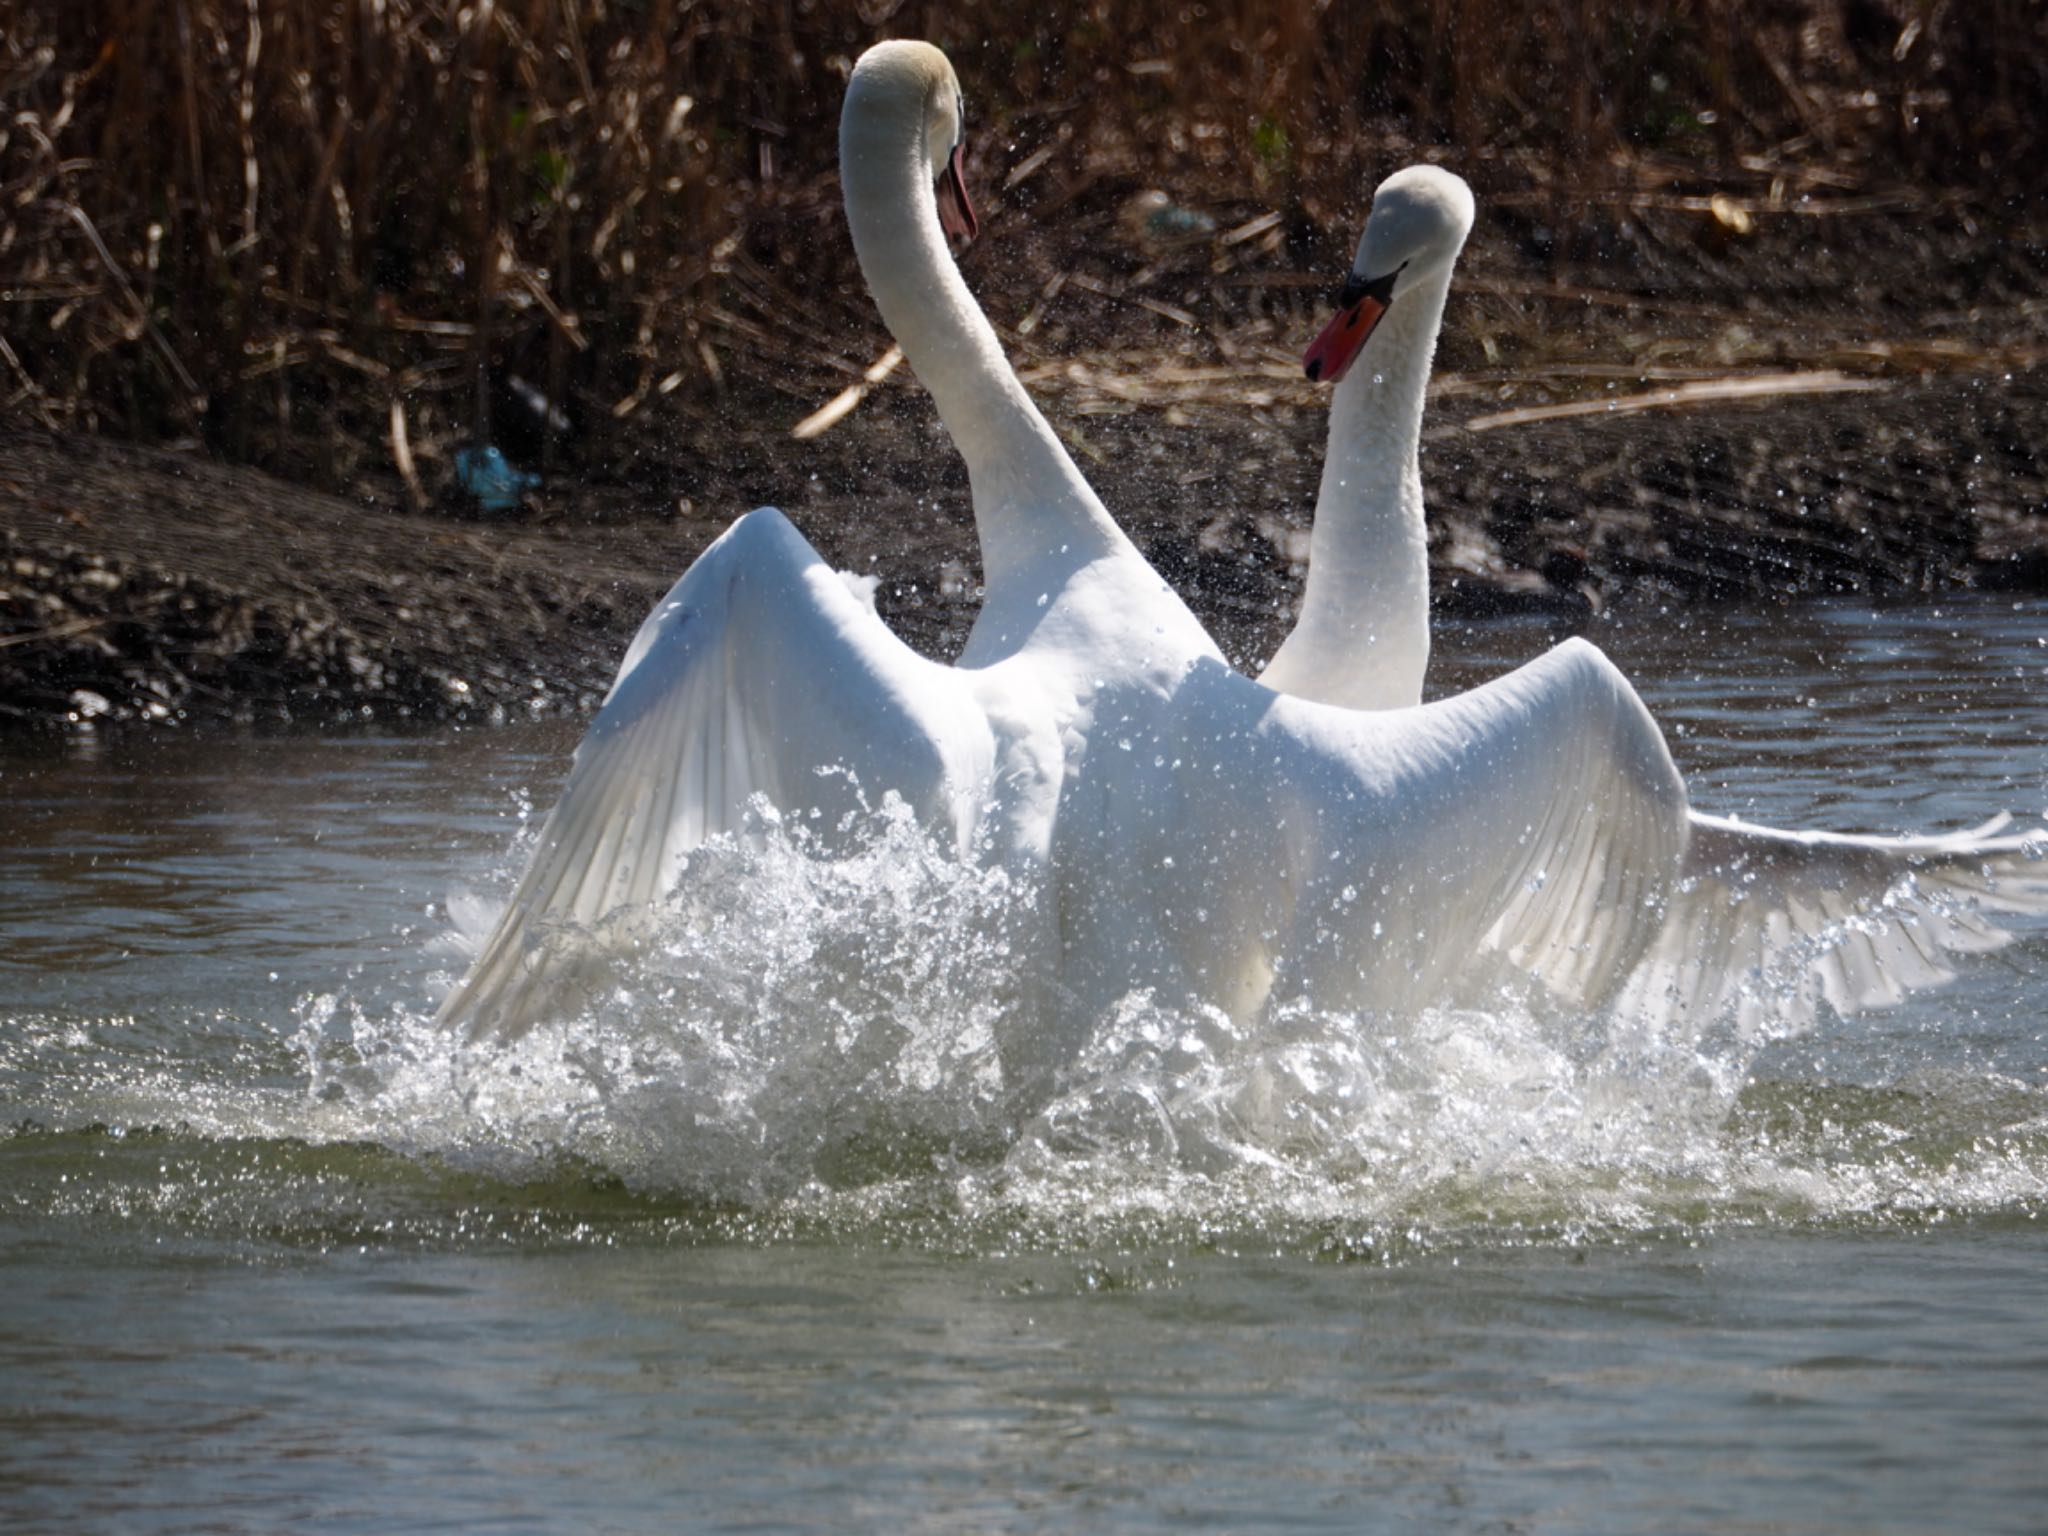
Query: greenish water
column 273, row 1253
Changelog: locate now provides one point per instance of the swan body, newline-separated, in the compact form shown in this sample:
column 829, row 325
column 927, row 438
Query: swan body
column 762, row 674
column 1854, row 920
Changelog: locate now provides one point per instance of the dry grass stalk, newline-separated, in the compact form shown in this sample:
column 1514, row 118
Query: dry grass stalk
column 250, row 218
column 1701, row 392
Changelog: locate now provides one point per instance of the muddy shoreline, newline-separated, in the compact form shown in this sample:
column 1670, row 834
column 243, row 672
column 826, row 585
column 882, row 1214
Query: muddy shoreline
column 148, row 586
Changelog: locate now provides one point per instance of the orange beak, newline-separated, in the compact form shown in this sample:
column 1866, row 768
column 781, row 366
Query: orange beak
column 1331, row 354
column 956, row 211
column 1359, row 309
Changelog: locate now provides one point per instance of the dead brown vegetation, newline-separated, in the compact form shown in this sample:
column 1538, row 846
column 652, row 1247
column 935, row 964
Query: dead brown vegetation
column 312, row 232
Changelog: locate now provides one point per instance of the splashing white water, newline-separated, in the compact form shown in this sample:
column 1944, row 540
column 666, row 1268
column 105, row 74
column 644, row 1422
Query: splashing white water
column 796, row 1026
column 788, row 1017
column 869, row 1033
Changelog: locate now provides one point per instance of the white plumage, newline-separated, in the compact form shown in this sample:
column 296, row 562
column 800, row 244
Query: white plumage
column 1197, row 832
column 1765, row 920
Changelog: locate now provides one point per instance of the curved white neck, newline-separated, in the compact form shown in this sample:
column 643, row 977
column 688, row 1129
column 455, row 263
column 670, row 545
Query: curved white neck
column 1362, row 640
column 1034, row 513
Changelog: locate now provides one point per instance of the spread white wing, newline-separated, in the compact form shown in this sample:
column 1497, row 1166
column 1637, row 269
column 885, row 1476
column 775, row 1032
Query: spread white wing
column 1539, row 822
column 1775, row 922
column 760, row 673
column 1382, row 859
column 1566, row 822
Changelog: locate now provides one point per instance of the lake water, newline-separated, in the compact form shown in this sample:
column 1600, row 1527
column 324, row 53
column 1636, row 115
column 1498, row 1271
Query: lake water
column 274, row 1253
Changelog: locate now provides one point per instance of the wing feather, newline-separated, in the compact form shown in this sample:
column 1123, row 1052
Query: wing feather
column 1556, row 835
column 1855, row 920
column 1536, row 820
column 1581, row 760
column 758, row 670
column 1624, row 895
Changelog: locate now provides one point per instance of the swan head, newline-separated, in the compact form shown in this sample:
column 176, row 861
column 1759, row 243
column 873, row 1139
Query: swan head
column 902, row 77
column 1418, row 224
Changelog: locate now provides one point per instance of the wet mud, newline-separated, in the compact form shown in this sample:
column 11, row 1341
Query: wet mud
column 144, row 585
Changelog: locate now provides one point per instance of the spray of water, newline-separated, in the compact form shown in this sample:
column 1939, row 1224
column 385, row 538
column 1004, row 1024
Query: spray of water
column 871, row 1034
column 875, row 1026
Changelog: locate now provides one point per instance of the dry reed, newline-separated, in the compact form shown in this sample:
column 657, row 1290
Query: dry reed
column 311, row 233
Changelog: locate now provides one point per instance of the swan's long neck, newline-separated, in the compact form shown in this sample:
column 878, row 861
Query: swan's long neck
column 1362, row 640
column 1032, row 509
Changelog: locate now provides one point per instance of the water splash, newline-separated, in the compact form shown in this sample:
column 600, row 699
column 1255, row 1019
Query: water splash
column 864, row 1038
column 789, row 1019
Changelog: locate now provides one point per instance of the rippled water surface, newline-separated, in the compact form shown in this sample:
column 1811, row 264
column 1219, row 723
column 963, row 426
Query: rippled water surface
column 780, row 1236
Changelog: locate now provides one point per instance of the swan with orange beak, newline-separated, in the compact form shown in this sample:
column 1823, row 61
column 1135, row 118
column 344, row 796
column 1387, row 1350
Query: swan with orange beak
column 1362, row 639
column 956, row 209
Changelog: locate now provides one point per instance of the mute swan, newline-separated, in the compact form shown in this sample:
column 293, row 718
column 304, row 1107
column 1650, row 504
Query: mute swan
column 1196, row 832
column 761, row 673
column 1873, row 915
column 1362, row 639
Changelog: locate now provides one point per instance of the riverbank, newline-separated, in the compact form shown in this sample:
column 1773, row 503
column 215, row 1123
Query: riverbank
column 145, row 585
column 1756, row 322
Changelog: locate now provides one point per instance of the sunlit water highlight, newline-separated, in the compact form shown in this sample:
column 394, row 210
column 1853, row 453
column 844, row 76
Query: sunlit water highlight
column 220, row 960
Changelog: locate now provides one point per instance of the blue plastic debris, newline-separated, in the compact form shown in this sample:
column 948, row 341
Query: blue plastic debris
column 486, row 474
column 1156, row 219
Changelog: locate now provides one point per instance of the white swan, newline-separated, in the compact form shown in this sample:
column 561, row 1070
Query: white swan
column 760, row 673
column 1857, row 920
column 1362, row 638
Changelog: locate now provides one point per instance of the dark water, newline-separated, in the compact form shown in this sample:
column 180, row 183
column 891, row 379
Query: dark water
column 272, row 1253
